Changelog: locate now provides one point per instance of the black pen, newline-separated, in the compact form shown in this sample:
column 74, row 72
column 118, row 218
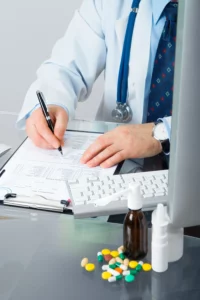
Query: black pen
column 46, row 114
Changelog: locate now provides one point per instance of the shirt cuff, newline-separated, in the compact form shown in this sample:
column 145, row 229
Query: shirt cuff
column 167, row 123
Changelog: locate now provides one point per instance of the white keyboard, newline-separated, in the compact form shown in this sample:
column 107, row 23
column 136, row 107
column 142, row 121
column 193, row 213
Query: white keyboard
column 86, row 191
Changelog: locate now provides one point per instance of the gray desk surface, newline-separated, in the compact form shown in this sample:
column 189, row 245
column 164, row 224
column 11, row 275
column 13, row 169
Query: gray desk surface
column 41, row 253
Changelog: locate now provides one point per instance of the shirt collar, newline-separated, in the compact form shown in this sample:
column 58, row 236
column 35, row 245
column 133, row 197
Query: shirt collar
column 157, row 8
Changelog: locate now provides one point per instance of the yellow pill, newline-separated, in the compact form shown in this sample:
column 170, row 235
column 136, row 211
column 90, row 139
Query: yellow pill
column 126, row 262
column 112, row 261
column 84, row 262
column 105, row 251
column 133, row 264
column 90, row 267
column 114, row 253
column 105, row 275
column 146, row 267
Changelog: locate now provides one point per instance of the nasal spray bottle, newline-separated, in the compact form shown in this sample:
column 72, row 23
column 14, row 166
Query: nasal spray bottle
column 159, row 244
column 135, row 232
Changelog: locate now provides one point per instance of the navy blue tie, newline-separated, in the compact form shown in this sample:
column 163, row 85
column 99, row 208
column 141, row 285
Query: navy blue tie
column 161, row 91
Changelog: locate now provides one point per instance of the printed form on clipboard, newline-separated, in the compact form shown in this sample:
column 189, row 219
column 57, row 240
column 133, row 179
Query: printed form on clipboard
column 38, row 177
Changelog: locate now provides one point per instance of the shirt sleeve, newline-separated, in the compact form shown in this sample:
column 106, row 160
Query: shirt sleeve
column 77, row 60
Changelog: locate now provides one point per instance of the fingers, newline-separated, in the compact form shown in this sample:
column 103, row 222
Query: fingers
column 97, row 147
column 37, row 138
column 46, row 133
column 60, row 123
column 103, row 156
column 114, row 160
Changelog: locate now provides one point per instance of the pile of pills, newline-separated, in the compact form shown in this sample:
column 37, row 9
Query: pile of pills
column 117, row 267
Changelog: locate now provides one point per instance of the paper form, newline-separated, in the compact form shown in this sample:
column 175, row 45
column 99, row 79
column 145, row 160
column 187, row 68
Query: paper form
column 34, row 171
column 4, row 148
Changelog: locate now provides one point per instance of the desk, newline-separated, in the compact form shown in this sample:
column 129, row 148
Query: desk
column 41, row 253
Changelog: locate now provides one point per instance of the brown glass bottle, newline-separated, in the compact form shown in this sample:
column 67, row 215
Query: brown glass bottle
column 135, row 235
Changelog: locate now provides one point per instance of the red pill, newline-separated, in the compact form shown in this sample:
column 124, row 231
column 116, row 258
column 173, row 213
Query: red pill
column 108, row 257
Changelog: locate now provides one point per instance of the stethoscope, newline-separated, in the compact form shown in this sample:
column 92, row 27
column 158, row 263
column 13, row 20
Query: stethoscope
column 123, row 113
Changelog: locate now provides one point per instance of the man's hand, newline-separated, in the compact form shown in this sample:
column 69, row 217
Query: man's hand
column 124, row 142
column 39, row 132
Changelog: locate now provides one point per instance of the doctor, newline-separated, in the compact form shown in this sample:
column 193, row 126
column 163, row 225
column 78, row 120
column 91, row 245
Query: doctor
column 133, row 42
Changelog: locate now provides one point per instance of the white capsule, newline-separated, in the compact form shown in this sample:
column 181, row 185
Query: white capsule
column 126, row 273
column 112, row 279
column 105, row 267
column 113, row 272
column 140, row 263
column 123, row 267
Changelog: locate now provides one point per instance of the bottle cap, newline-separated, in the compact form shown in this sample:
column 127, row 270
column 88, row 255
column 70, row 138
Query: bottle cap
column 134, row 197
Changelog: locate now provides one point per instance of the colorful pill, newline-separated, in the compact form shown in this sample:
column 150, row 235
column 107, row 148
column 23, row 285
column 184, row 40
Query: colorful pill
column 119, row 260
column 133, row 264
column 90, row 267
column 99, row 256
column 113, row 272
column 105, row 251
column 138, row 268
column 107, row 257
column 129, row 272
column 147, row 267
column 105, row 275
column 84, row 262
column 120, row 249
column 113, row 266
column 119, row 270
column 126, row 262
column 112, row 261
column 122, row 256
column 114, row 253
column 129, row 278
column 115, row 278
column 121, row 266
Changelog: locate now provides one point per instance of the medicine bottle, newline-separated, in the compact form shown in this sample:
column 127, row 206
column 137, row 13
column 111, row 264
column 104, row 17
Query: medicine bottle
column 135, row 230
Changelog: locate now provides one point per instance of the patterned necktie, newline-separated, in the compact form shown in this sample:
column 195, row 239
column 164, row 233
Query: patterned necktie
column 161, row 94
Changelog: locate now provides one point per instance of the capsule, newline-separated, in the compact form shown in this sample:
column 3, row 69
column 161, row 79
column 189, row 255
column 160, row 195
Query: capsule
column 126, row 262
column 121, row 266
column 119, row 260
column 115, row 278
column 84, row 262
column 122, row 256
column 99, row 256
column 112, row 261
column 129, row 272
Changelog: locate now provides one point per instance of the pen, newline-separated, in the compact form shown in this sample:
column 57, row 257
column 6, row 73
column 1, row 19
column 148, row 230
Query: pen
column 46, row 114
column 2, row 172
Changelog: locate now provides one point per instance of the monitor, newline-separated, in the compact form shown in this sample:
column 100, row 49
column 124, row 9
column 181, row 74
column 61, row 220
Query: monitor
column 184, row 168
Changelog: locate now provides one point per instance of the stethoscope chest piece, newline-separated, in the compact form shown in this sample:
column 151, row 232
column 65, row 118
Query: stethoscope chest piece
column 122, row 113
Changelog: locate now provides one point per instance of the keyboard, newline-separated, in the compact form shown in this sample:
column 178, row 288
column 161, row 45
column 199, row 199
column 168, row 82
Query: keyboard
column 88, row 194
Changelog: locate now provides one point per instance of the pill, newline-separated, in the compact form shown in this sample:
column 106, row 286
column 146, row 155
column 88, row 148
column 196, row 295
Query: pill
column 107, row 257
column 146, row 267
column 140, row 263
column 119, row 270
column 105, row 251
column 105, row 267
column 121, row 266
column 139, row 267
column 90, row 267
column 133, row 264
column 99, row 256
column 126, row 262
column 105, row 275
column 115, row 278
column 113, row 272
column 129, row 272
column 120, row 249
column 119, row 260
column 113, row 266
column 112, row 261
column 122, row 256
column 114, row 253
column 84, row 262
column 129, row 278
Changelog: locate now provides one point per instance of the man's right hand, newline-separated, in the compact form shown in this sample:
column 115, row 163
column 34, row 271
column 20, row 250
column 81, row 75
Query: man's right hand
column 38, row 131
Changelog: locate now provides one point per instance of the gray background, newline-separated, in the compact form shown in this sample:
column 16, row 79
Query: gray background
column 23, row 26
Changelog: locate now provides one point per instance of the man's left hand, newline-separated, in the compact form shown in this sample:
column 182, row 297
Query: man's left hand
column 124, row 142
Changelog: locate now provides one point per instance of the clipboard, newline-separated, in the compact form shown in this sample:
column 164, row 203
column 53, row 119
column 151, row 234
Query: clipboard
column 35, row 201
